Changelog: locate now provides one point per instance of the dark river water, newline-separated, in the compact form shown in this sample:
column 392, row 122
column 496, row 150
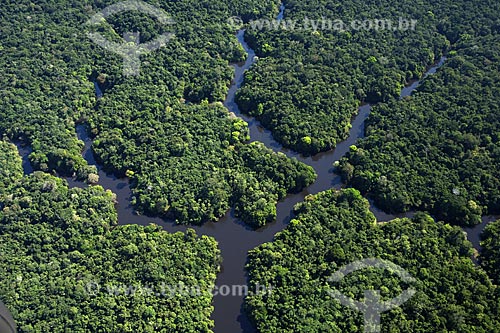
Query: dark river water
column 234, row 238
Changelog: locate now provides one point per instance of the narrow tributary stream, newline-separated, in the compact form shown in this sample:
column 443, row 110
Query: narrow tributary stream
column 234, row 238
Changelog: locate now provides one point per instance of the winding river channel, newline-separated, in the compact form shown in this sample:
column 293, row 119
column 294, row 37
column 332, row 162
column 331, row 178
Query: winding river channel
column 234, row 238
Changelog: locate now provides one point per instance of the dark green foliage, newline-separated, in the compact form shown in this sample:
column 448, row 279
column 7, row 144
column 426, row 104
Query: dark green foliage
column 164, row 128
column 439, row 149
column 490, row 253
column 332, row 229
column 58, row 243
column 307, row 84
column 11, row 168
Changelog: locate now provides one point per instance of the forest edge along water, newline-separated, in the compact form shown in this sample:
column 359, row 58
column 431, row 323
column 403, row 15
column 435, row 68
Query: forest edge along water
column 235, row 239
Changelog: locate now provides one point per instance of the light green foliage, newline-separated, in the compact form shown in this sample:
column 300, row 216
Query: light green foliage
column 332, row 229
column 58, row 244
column 11, row 168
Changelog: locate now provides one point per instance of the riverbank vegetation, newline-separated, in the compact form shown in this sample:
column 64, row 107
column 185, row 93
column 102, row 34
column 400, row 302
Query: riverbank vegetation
column 437, row 150
column 67, row 267
column 165, row 128
column 11, row 166
column 332, row 229
column 307, row 83
column 490, row 250
column 191, row 163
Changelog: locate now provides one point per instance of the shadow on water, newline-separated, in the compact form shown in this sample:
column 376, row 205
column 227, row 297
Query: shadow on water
column 234, row 237
column 474, row 233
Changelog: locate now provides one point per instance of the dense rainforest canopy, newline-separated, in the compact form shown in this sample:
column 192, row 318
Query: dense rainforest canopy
column 165, row 129
column 307, row 83
column 60, row 245
column 332, row 229
column 11, row 165
column 490, row 252
column 189, row 159
column 438, row 150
